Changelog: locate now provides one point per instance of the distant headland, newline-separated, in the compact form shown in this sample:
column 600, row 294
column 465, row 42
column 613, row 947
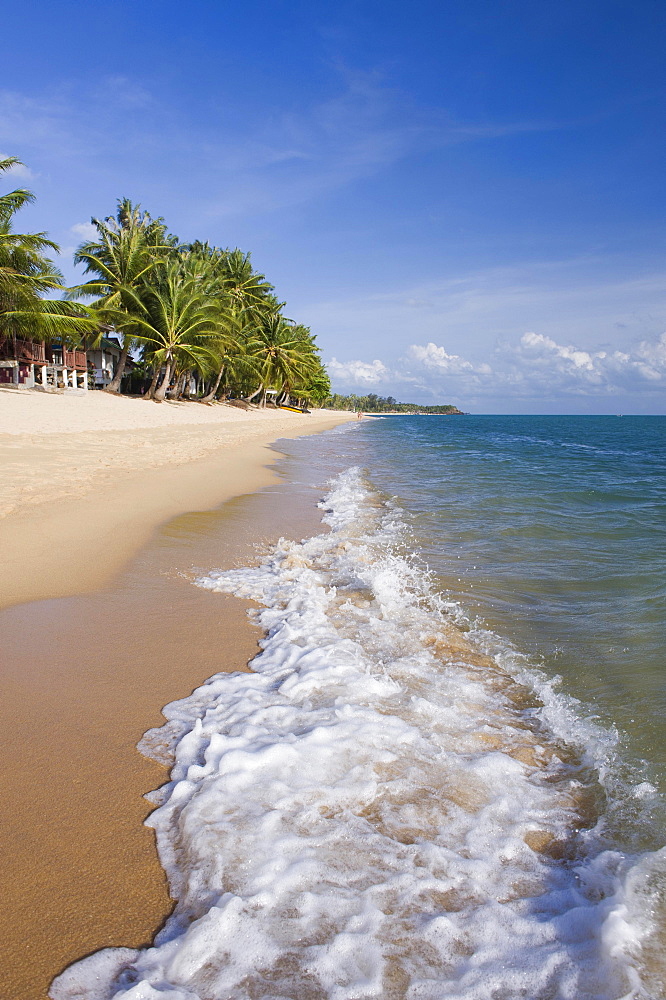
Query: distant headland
column 380, row 404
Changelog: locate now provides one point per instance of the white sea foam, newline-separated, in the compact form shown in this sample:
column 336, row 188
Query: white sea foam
column 382, row 809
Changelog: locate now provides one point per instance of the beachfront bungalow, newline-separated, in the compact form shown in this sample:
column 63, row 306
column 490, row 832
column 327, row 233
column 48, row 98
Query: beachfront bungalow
column 104, row 360
column 32, row 363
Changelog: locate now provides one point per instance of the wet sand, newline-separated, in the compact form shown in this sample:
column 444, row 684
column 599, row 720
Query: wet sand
column 84, row 677
column 86, row 670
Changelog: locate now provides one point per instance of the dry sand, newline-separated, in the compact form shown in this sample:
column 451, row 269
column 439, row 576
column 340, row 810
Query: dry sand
column 86, row 480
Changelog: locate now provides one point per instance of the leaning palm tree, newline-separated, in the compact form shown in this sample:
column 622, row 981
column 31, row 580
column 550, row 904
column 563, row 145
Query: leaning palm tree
column 180, row 324
column 24, row 271
column 27, row 274
column 228, row 345
column 122, row 258
column 240, row 293
column 279, row 356
column 314, row 386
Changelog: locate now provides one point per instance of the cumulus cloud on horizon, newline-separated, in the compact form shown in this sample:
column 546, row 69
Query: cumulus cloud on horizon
column 571, row 368
column 537, row 364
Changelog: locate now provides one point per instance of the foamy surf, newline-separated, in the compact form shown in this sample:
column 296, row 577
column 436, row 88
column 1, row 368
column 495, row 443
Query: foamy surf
column 382, row 809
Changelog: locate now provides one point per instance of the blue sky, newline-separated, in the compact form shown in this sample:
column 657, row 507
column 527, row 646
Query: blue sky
column 464, row 200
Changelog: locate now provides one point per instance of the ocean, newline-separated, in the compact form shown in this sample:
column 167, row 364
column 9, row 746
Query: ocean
column 445, row 777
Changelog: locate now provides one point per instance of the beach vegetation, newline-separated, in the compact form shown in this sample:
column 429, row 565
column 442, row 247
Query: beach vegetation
column 121, row 258
column 242, row 295
column 180, row 326
column 191, row 319
column 194, row 312
column 385, row 404
column 28, row 274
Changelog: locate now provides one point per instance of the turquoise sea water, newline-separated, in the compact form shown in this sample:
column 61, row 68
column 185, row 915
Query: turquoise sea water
column 551, row 532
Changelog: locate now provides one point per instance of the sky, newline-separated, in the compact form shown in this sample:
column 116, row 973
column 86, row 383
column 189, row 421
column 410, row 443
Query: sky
column 464, row 200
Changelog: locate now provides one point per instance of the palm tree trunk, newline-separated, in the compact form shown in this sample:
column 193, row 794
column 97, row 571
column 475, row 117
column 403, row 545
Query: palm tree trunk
column 114, row 384
column 153, row 384
column 210, row 396
column 178, row 388
column 160, row 392
column 249, row 399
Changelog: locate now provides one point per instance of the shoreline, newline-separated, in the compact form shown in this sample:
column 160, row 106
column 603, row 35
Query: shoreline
column 65, row 521
column 94, row 647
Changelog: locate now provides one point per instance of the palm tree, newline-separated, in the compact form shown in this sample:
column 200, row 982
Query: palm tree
column 180, row 323
column 241, row 293
column 122, row 258
column 315, row 387
column 279, row 356
column 26, row 274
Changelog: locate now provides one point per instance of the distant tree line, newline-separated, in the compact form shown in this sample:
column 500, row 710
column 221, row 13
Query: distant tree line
column 383, row 404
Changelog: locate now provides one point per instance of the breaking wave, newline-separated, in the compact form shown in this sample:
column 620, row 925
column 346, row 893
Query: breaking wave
column 392, row 805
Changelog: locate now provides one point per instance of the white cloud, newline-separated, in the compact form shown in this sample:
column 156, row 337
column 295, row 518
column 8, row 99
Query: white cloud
column 432, row 356
column 126, row 92
column 540, row 361
column 538, row 353
column 595, row 342
column 572, row 356
column 359, row 372
column 595, row 302
column 651, row 358
column 85, row 230
column 535, row 367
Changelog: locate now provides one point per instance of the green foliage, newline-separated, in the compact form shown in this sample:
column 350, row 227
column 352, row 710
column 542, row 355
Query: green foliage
column 126, row 250
column 179, row 309
column 27, row 274
column 379, row 404
column 180, row 324
column 198, row 308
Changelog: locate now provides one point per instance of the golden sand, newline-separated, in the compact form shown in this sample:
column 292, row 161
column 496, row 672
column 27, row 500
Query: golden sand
column 86, row 479
column 84, row 676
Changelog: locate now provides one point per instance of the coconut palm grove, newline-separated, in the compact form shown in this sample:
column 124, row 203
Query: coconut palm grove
column 192, row 319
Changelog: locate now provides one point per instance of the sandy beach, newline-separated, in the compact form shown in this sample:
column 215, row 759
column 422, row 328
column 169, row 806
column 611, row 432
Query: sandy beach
column 86, row 478
column 100, row 629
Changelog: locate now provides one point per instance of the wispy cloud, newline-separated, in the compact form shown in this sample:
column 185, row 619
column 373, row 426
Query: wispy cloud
column 367, row 127
column 35, row 123
column 254, row 163
column 583, row 300
column 127, row 93
column 85, row 230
